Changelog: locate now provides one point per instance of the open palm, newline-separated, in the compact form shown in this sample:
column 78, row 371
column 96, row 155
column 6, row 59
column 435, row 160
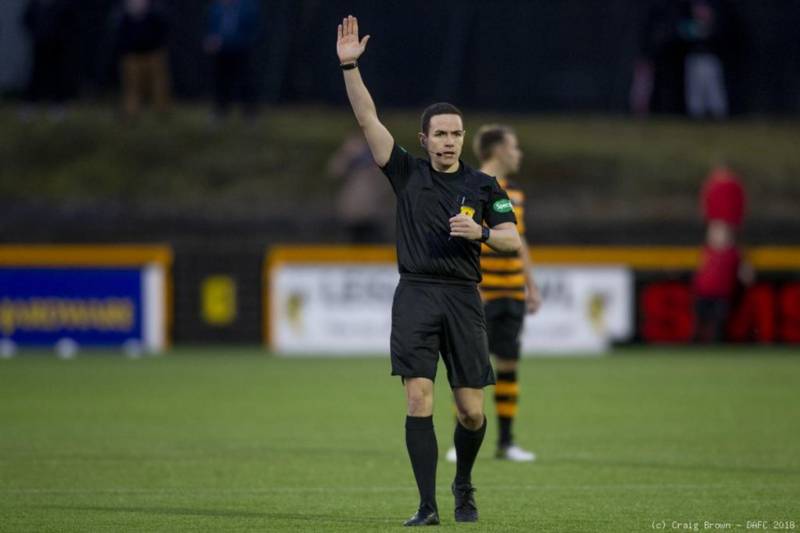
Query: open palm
column 348, row 46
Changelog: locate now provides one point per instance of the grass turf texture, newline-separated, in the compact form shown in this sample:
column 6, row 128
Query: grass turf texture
column 232, row 440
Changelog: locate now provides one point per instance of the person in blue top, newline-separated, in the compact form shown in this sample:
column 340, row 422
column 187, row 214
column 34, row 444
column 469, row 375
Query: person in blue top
column 233, row 32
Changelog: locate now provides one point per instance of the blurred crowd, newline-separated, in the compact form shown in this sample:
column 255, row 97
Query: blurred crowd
column 683, row 44
column 140, row 36
column 680, row 66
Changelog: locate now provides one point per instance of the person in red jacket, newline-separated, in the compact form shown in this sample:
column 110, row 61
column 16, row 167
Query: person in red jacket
column 721, row 267
column 723, row 197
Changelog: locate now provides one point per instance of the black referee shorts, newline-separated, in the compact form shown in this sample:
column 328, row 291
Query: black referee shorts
column 429, row 319
column 504, row 320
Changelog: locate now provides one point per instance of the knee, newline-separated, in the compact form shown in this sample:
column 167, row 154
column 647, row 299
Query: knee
column 471, row 418
column 419, row 403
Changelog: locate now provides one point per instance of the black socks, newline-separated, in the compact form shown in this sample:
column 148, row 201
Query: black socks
column 423, row 452
column 467, row 445
column 504, row 431
column 506, row 392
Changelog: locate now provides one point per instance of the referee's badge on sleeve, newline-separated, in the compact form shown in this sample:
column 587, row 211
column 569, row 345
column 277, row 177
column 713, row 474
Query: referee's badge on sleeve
column 502, row 205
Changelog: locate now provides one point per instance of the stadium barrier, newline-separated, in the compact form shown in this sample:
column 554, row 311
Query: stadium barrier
column 85, row 296
column 336, row 300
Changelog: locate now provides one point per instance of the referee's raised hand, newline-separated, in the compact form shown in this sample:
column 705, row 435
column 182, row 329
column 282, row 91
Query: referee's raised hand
column 348, row 46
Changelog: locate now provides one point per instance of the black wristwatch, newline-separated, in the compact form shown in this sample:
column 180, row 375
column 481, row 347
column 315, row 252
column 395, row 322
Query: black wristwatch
column 349, row 66
column 485, row 233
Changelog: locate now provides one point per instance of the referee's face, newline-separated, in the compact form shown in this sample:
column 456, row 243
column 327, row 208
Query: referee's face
column 444, row 141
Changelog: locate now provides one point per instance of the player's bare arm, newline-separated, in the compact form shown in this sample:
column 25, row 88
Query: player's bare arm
column 350, row 48
column 502, row 237
column 533, row 298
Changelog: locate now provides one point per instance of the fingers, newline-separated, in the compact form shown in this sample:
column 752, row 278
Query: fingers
column 463, row 226
column 462, row 221
column 534, row 302
column 364, row 41
column 461, row 230
column 349, row 26
column 459, row 227
column 339, row 33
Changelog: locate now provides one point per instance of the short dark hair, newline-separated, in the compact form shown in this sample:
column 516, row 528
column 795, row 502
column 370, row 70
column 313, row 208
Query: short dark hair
column 439, row 108
column 487, row 138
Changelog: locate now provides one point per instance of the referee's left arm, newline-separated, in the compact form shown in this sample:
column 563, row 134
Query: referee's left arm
column 503, row 237
column 500, row 232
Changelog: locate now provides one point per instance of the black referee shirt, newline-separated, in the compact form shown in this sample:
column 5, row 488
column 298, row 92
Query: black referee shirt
column 426, row 200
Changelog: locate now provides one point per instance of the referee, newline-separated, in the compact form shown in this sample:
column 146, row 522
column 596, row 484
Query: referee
column 437, row 310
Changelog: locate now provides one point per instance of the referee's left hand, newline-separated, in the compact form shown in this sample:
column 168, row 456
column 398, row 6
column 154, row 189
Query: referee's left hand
column 464, row 227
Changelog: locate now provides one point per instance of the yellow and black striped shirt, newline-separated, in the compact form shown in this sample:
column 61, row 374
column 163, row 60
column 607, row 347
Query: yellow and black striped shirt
column 503, row 272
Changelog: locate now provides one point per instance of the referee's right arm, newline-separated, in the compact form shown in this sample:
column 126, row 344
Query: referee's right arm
column 349, row 49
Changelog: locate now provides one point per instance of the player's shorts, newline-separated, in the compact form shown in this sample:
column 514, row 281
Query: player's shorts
column 433, row 318
column 504, row 320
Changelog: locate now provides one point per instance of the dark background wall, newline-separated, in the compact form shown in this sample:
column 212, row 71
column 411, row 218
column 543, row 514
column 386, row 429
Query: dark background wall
column 531, row 55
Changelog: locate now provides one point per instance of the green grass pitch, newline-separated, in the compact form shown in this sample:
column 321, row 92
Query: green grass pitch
column 233, row 440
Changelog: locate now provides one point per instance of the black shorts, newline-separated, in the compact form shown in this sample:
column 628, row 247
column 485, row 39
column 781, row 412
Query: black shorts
column 429, row 319
column 504, row 320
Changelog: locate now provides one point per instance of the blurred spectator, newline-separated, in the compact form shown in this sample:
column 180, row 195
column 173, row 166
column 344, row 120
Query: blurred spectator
column 642, row 86
column 144, row 64
column 721, row 268
column 723, row 197
column 51, row 25
column 704, row 75
column 233, row 27
column 365, row 193
column 654, row 73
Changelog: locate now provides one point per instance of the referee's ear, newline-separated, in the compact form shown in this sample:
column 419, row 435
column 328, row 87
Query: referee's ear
column 423, row 141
